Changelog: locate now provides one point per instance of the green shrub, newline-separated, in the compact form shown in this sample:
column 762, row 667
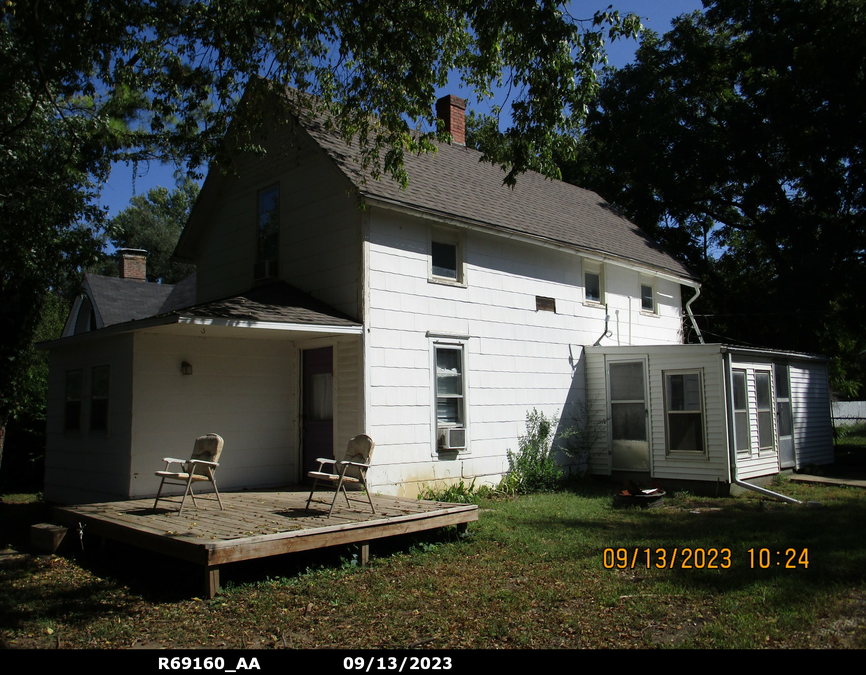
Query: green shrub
column 533, row 468
column 457, row 493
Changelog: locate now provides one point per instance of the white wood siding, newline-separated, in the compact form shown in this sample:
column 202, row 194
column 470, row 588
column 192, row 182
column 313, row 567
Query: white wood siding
column 84, row 466
column 245, row 390
column 320, row 246
column 515, row 358
column 810, row 397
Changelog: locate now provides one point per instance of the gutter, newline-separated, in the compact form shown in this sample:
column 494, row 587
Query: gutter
column 692, row 316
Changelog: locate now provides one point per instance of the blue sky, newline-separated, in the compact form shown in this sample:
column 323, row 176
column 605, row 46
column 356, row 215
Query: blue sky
column 655, row 14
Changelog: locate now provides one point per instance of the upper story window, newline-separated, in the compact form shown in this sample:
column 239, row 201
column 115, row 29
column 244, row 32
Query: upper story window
column 593, row 283
column 647, row 297
column 268, row 233
column 446, row 257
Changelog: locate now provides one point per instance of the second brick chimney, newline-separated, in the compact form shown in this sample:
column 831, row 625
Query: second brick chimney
column 452, row 111
column 133, row 263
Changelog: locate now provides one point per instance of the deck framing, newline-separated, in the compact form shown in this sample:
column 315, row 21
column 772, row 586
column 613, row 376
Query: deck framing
column 258, row 525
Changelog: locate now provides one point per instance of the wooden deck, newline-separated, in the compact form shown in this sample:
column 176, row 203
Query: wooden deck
column 258, row 524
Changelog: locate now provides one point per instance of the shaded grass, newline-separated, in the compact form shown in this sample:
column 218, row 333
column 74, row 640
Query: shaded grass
column 530, row 574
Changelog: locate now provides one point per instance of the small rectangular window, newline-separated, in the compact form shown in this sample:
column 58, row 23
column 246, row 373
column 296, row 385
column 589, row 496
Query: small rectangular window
column 99, row 390
column 684, row 412
column 72, row 411
column 444, row 260
column 647, row 298
column 449, row 386
column 741, row 412
column 543, row 304
column 592, row 282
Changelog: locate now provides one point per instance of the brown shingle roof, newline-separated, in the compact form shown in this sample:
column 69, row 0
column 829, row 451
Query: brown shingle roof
column 454, row 183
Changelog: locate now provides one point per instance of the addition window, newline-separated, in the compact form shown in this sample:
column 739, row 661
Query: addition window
column 684, row 415
column 765, row 411
column 450, row 393
column 268, row 233
column 593, row 283
column 72, row 410
column 742, row 435
column 99, row 390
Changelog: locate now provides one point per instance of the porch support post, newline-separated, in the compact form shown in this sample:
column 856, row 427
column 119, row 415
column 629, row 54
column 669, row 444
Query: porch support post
column 365, row 553
column 211, row 581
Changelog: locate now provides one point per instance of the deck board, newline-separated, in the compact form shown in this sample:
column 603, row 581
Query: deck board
column 257, row 524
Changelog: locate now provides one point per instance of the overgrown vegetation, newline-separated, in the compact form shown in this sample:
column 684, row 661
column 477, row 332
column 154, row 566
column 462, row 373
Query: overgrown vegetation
column 535, row 564
column 533, row 468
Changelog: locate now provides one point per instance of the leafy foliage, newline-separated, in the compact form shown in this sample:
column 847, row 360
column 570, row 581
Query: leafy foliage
column 738, row 139
column 533, row 468
column 153, row 222
column 85, row 83
column 457, row 493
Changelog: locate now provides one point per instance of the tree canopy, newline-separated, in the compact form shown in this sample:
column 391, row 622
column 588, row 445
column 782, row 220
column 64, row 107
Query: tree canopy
column 153, row 222
column 738, row 140
column 84, row 83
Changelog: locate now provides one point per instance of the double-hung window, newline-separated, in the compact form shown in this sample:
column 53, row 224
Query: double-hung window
column 446, row 257
column 593, row 283
column 647, row 296
column 99, row 390
column 450, row 392
column 74, row 392
column 268, row 233
column 684, row 412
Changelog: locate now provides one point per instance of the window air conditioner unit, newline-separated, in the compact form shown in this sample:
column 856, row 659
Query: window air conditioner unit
column 452, row 438
column 266, row 269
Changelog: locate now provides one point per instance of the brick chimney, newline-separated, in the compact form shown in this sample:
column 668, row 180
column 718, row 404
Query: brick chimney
column 133, row 263
column 452, row 111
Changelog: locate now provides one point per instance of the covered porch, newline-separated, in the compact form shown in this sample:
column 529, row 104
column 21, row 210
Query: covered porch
column 257, row 524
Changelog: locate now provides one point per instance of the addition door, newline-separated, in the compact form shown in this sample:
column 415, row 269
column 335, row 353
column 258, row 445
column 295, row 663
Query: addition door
column 784, row 415
column 629, row 444
column 317, row 407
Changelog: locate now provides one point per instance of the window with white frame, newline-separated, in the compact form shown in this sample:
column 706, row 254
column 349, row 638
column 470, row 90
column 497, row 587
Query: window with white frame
column 647, row 296
column 99, row 390
column 593, row 283
column 765, row 410
column 684, row 415
column 450, row 386
column 742, row 435
column 268, row 233
column 446, row 257
column 74, row 393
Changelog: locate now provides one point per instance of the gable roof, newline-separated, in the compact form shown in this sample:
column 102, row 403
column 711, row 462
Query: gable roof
column 117, row 300
column 455, row 184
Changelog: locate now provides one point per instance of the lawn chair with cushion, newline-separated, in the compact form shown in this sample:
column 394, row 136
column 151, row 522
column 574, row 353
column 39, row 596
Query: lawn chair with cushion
column 200, row 467
column 351, row 469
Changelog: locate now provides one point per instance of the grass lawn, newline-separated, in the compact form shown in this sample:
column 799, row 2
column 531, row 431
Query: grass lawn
column 530, row 574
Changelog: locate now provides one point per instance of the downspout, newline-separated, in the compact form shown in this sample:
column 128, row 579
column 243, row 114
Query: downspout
column 692, row 316
column 606, row 333
column 732, row 451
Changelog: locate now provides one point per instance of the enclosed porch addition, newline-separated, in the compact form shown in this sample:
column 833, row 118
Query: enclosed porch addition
column 707, row 413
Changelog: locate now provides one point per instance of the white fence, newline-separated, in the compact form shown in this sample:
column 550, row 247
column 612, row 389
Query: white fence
column 848, row 412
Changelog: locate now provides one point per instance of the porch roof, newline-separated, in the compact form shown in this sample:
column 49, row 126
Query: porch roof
column 277, row 306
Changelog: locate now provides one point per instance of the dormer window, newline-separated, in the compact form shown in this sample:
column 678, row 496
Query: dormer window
column 268, row 233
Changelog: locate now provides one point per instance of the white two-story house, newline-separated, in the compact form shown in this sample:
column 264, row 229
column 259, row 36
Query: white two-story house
column 432, row 318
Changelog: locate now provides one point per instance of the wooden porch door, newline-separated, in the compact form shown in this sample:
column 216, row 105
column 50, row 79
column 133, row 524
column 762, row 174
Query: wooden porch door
column 317, row 407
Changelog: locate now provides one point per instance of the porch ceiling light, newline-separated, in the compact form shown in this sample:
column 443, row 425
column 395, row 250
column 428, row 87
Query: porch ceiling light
column 186, row 368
